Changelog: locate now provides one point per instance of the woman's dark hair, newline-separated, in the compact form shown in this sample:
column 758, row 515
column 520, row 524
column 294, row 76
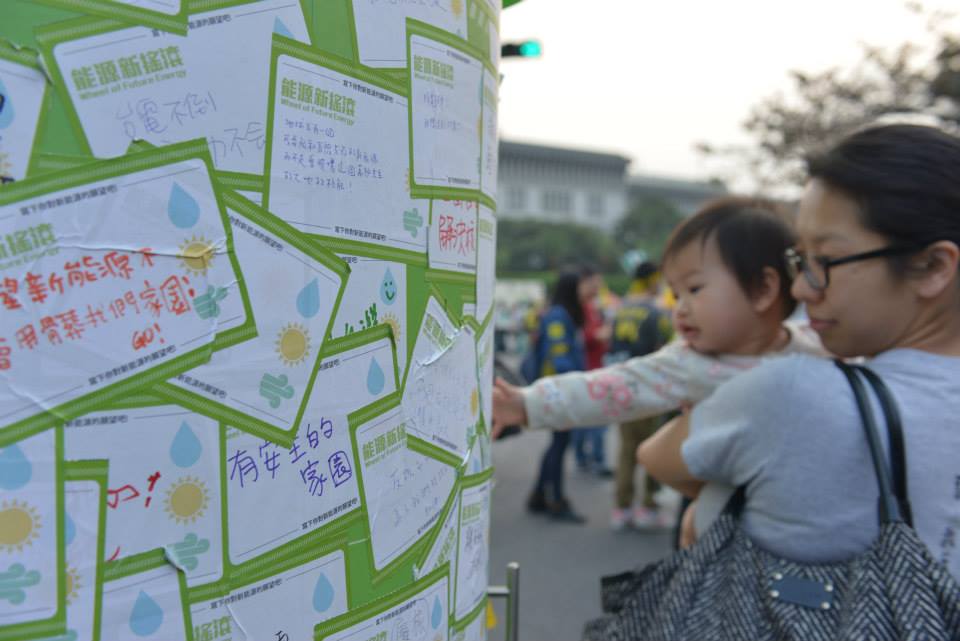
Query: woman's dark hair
column 566, row 294
column 905, row 179
column 751, row 234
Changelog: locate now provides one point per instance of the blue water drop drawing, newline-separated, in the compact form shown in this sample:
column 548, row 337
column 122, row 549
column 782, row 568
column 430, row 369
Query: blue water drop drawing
column 375, row 378
column 15, row 469
column 436, row 616
column 146, row 616
column 308, row 300
column 279, row 27
column 182, row 208
column 6, row 107
column 322, row 594
column 186, row 448
column 388, row 288
column 69, row 529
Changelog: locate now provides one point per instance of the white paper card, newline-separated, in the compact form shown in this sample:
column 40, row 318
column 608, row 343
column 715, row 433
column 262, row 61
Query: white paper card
column 284, row 606
column 81, row 534
column 147, row 605
column 114, row 275
column 21, row 98
column 404, row 491
column 293, row 296
column 28, row 523
column 274, row 494
column 453, row 236
column 168, row 495
column 422, row 616
column 138, row 83
column 473, row 549
column 339, row 161
column 381, row 26
column 376, row 294
column 445, row 115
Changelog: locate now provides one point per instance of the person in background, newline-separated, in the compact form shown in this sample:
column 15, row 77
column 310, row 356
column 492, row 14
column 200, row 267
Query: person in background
column 588, row 442
column 558, row 349
column 640, row 327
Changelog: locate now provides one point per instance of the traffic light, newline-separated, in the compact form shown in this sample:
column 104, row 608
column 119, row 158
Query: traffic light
column 525, row 49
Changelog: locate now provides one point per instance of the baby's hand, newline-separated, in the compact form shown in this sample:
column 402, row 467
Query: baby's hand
column 508, row 406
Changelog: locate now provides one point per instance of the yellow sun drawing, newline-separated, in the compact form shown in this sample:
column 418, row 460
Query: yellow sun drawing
column 187, row 499
column 196, row 255
column 293, row 344
column 394, row 323
column 474, row 401
column 19, row 525
column 73, row 584
column 456, row 7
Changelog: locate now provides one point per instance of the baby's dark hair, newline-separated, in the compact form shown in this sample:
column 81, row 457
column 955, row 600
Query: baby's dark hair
column 751, row 234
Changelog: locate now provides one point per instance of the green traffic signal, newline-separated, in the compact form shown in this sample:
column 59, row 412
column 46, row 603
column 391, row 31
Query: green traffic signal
column 530, row 49
column 525, row 49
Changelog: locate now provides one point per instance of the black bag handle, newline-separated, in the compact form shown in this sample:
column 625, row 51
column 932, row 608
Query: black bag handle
column 891, row 496
column 898, row 461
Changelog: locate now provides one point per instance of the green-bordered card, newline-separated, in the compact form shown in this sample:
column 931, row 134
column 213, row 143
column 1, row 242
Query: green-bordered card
column 84, row 520
column 124, row 83
column 446, row 79
column 277, row 495
column 419, row 611
column 168, row 495
column 33, row 580
column 24, row 101
column 168, row 15
column 337, row 161
column 145, row 598
column 404, row 489
column 441, row 399
column 284, row 600
column 263, row 384
column 381, row 38
column 116, row 274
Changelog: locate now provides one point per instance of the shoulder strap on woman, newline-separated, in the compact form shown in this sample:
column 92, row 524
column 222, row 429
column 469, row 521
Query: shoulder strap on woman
column 898, row 459
column 888, row 507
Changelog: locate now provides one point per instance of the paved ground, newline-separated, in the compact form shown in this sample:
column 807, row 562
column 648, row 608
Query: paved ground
column 560, row 564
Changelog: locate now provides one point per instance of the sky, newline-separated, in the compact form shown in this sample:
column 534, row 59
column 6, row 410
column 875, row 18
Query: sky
column 649, row 79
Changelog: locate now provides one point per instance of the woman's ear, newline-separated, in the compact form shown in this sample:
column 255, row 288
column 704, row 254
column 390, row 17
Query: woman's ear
column 937, row 268
column 768, row 293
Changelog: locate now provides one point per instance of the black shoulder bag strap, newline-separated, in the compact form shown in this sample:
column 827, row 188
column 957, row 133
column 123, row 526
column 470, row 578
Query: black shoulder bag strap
column 893, row 503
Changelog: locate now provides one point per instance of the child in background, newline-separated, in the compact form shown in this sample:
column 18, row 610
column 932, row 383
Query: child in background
column 726, row 269
column 640, row 327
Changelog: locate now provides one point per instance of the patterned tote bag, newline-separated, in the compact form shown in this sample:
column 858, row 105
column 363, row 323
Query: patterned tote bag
column 725, row 587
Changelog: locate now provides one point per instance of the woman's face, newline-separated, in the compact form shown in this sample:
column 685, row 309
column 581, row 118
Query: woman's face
column 865, row 309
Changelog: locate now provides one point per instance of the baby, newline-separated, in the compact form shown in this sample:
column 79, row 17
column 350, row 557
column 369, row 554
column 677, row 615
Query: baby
column 726, row 269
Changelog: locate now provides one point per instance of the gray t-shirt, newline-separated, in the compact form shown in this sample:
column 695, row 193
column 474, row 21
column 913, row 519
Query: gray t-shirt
column 790, row 430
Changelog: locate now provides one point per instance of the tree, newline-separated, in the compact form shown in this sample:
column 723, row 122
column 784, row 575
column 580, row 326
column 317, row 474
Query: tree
column 536, row 246
column 646, row 226
column 821, row 107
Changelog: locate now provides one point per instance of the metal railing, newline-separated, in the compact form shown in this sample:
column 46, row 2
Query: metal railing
column 510, row 592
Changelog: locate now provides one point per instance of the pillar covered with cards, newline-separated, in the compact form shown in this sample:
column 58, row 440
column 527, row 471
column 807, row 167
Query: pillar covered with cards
column 246, row 337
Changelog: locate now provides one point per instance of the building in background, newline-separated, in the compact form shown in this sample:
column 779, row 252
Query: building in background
column 686, row 196
column 562, row 185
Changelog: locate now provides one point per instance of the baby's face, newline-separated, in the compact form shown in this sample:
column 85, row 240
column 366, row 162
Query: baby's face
column 713, row 313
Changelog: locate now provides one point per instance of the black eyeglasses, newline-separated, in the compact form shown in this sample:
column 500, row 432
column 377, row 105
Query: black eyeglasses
column 816, row 269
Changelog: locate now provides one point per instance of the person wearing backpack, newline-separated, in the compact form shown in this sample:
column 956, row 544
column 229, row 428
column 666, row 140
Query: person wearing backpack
column 640, row 327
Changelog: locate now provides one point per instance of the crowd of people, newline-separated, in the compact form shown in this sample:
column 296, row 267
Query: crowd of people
column 764, row 301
